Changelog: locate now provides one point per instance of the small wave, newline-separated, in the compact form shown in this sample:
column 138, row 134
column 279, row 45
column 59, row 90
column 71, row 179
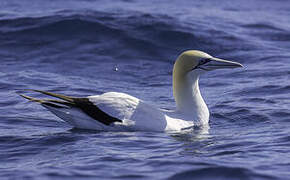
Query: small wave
column 13, row 140
column 268, row 32
column 241, row 116
column 231, row 173
column 53, row 25
column 261, row 26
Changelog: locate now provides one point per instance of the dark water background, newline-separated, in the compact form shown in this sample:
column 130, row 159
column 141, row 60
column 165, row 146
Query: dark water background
column 85, row 47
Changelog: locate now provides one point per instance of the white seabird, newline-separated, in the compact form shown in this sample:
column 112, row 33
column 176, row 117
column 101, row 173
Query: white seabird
column 119, row 111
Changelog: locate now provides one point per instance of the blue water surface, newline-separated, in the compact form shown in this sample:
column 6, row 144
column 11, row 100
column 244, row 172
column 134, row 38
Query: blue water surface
column 87, row 47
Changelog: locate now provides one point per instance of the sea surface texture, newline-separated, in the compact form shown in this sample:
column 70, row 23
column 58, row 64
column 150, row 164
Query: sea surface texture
column 87, row 47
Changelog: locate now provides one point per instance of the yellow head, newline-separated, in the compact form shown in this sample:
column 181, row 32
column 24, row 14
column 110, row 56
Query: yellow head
column 193, row 60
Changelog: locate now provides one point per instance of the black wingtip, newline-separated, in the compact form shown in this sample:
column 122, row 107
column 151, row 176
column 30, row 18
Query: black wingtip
column 31, row 98
column 83, row 104
column 60, row 96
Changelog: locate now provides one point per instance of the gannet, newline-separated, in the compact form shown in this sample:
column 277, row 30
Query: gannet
column 115, row 111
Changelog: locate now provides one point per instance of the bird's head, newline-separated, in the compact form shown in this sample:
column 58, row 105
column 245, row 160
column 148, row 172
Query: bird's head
column 198, row 62
column 187, row 69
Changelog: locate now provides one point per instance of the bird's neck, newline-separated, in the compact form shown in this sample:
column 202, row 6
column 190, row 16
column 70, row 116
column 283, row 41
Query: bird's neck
column 188, row 98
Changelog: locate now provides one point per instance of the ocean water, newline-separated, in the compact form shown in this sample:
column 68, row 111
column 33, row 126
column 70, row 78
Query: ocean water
column 87, row 47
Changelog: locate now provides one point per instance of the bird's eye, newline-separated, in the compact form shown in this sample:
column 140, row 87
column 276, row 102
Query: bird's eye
column 203, row 61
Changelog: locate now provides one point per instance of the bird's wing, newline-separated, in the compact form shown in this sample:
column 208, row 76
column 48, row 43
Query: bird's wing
column 119, row 105
column 83, row 104
column 130, row 109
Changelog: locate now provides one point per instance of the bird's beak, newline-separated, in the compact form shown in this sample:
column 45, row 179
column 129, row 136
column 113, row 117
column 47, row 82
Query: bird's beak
column 216, row 63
